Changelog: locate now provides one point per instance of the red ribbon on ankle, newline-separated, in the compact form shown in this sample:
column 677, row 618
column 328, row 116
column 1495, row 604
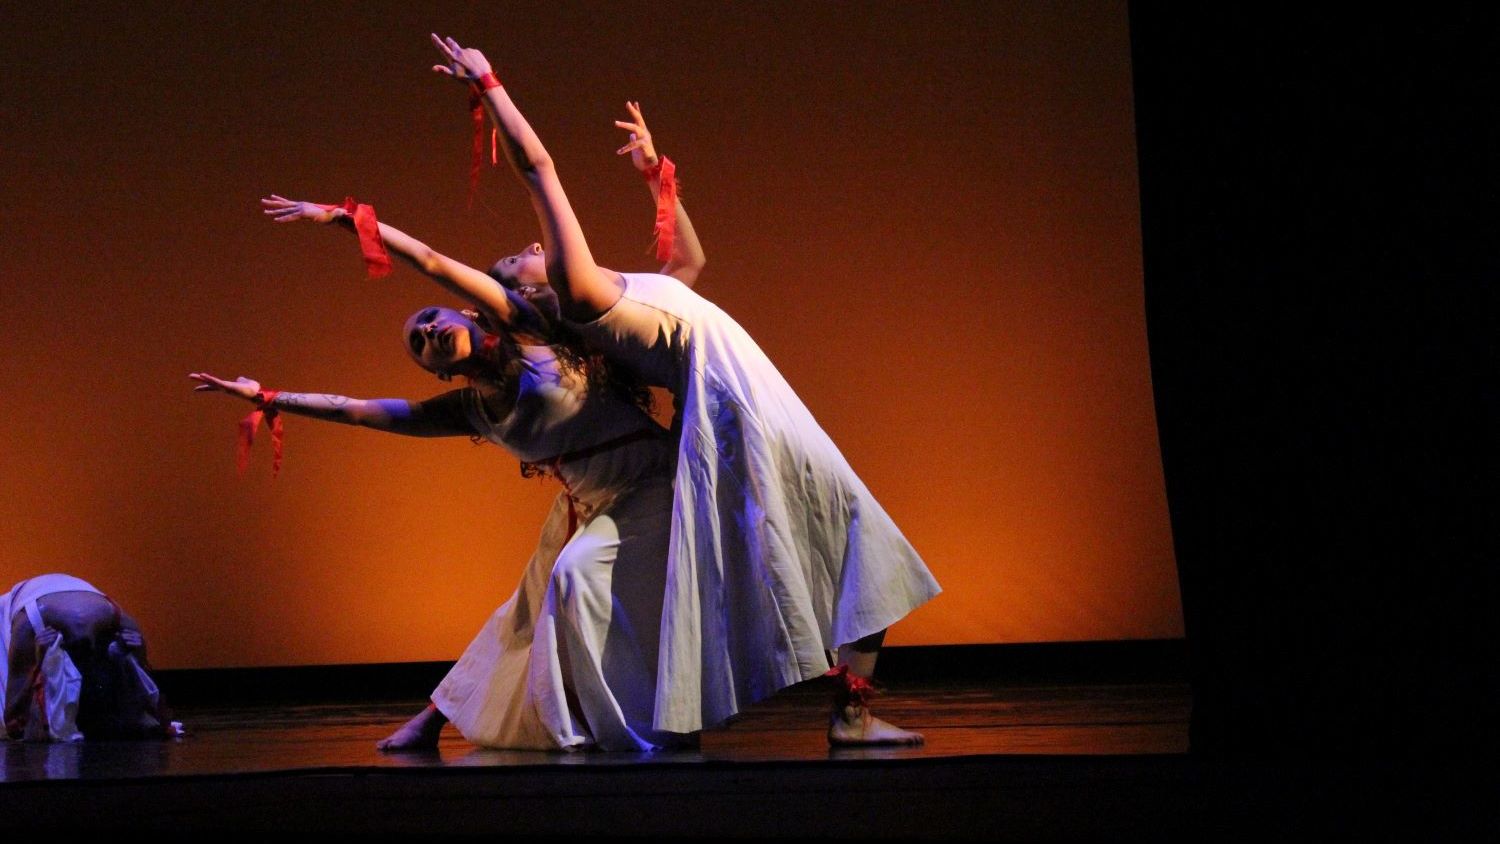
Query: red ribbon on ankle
column 476, row 113
column 377, row 262
column 856, row 690
column 263, row 410
column 666, row 206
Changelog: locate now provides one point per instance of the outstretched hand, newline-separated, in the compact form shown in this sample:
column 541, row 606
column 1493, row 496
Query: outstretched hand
column 642, row 150
column 284, row 210
column 245, row 388
column 465, row 64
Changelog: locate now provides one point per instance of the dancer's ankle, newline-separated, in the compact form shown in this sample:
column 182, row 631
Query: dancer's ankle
column 851, row 690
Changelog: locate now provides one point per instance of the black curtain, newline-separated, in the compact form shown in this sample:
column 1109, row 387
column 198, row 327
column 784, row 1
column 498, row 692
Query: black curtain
column 1318, row 197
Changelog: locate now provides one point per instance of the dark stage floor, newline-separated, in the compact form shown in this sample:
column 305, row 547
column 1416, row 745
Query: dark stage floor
column 958, row 720
column 1003, row 761
column 314, row 768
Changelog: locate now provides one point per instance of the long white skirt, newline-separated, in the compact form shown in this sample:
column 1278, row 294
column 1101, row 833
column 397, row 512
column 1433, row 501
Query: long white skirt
column 570, row 661
column 779, row 553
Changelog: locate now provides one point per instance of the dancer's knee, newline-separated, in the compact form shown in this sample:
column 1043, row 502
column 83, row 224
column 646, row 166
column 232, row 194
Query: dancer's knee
column 585, row 558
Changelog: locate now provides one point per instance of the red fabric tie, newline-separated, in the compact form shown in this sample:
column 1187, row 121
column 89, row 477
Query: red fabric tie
column 856, row 690
column 377, row 262
column 489, row 348
column 263, row 410
column 553, row 467
column 666, row 206
column 476, row 113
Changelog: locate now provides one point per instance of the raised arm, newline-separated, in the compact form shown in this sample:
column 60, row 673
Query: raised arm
column 439, row 416
column 686, row 260
column 501, row 306
column 584, row 289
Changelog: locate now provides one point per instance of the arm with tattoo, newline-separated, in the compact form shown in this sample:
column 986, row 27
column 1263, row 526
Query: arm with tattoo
column 439, row 416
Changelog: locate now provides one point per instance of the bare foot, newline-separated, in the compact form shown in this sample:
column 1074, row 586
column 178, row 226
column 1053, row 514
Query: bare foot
column 420, row 733
column 854, row 726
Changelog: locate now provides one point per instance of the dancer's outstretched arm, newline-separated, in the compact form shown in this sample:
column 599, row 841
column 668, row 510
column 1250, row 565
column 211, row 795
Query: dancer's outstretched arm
column 439, row 416
column 687, row 259
column 584, row 289
column 504, row 308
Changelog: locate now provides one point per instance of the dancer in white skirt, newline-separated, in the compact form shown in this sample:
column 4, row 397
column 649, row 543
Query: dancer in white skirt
column 570, row 660
column 778, row 553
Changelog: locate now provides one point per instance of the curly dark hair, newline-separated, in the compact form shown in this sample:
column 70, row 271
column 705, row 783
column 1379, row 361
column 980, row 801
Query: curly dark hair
column 577, row 355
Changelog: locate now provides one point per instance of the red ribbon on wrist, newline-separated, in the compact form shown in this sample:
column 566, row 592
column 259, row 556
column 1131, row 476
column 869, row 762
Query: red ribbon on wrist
column 665, row 231
column 263, row 410
column 377, row 262
column 476, row 113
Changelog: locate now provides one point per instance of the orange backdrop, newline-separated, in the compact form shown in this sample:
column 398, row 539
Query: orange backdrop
column 927, row 214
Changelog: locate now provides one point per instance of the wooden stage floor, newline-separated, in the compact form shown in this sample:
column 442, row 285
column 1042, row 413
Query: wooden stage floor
column 1001, row 760
column 1033, row 760
column 957, row 720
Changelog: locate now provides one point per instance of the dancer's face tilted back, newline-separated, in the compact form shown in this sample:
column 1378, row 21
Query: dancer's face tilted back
column 526, row 273
column 440, row 340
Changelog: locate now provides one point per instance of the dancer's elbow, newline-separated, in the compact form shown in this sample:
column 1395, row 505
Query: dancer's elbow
column 537, row 165
column 429, row 261
column 687, row 273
